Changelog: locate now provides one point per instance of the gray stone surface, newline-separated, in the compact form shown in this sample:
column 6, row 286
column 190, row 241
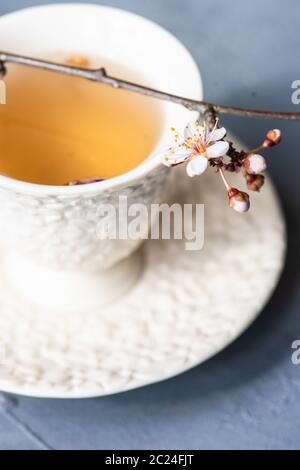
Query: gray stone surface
column 248, row 396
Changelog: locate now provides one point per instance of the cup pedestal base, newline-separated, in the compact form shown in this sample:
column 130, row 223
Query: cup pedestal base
column 72, row 291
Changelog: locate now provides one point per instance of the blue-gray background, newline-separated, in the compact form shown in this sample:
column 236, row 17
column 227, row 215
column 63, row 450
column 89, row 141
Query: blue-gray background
column 248, row 396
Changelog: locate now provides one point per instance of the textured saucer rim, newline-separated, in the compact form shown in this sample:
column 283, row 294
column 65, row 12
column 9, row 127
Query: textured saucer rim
column 181, row 370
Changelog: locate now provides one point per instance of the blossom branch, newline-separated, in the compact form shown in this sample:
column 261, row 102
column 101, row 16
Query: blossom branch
column 100, row 75
column 201, row 145
column 204, row 144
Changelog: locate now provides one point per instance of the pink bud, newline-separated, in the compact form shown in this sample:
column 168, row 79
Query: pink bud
column 254, row 163
column 255, row 182
column 272, row 138
column 238, row 200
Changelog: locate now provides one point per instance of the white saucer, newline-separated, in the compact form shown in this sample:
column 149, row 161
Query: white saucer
column 186, row 307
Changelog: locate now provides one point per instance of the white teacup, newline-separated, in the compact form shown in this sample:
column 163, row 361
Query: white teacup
column 53, row 254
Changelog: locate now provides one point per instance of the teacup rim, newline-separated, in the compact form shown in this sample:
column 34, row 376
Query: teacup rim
column 152, row 162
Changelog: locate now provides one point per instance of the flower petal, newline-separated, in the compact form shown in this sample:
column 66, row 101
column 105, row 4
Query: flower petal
column 176, row 155
column 218, row 149
column 217, row 134
column 196, row 166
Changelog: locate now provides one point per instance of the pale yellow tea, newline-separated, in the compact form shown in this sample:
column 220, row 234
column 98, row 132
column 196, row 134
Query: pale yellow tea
column 55, row 129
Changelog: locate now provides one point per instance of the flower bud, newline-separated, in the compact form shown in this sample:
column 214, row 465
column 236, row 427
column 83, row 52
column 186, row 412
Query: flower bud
column 255, row 182
column 272, row 138
column 254, row 163
column 238, row 200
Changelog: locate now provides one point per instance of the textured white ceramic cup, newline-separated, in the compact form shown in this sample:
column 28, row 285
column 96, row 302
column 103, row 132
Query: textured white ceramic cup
column 48, row 235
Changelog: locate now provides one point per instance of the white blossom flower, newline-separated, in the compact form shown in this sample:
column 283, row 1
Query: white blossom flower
column 196, row 147
column 255, row 163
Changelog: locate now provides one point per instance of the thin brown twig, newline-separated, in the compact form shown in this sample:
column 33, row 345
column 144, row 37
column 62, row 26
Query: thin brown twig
column 100, row 75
